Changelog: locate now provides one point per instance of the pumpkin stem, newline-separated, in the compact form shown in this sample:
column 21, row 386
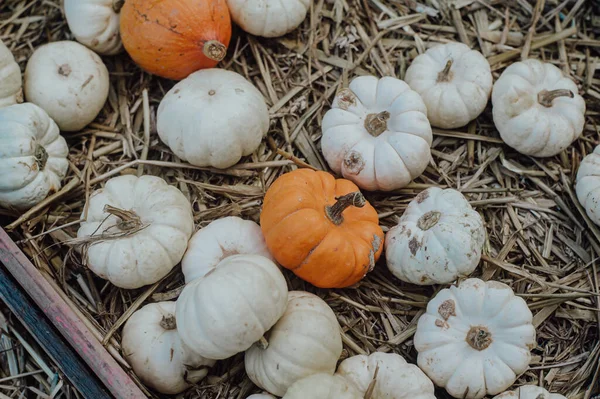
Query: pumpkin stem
column 215, row 50
column 168, row 322
column 129, row 220
column 377, row 123
column 19, row 97
column 117, row 5
column 41, row 156
column 429, row 220
column 545, row 97
column 445, row 75
column 263, row 343
column 479, row 338
column 334, row 212
column 192, row 376
column 64, row 70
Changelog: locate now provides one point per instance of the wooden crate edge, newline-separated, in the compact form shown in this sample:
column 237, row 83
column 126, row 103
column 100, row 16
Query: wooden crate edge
column 67, row 322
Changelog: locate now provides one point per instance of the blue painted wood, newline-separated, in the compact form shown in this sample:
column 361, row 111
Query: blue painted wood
column 46, row 336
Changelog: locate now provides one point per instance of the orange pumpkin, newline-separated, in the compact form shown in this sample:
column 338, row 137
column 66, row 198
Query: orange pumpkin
column 322, row 229
column 173, row 38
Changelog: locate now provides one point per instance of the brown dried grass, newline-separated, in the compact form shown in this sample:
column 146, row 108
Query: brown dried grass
column 539, row 240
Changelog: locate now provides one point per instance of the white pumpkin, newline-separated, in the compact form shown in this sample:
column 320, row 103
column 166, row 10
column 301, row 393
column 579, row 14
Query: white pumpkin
column 587, row 184
column 306, row 340
column 529, row 392
column 395, row 379
column 377, row 133
column 454, row 81
column 154, row 350
column 138, row 229
column 222, row 238
column 323, row 386
column 537, row 109
column 438, row 239
column 33, row 156
column 95, row 23
column 213, row 118
column 475, row 339
column 261, row 396
column 231, row 307
column 268, row 18
column 69, row 81
column 11, row 91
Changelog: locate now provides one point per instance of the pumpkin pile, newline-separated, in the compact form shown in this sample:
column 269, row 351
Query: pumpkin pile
column 475, row 337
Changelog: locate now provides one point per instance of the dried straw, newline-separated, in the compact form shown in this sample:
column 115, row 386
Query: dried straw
column 539, row 241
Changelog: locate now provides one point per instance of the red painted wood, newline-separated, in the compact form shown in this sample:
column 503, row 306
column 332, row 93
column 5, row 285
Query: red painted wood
column 67, row 322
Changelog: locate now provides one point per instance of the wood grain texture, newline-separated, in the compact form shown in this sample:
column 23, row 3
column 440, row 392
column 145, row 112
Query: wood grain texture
column 38, row 326
column 67, row 322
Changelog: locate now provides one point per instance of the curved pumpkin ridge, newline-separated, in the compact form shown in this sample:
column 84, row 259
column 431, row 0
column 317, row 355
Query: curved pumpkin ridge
column 287, row 182
column 279, row 237
column 363, row 250
column 322, row 267
column 279, row 210
column 249, row 302
column 366, row 234
column 202, row 329
column 328, row 184
column 359, row 270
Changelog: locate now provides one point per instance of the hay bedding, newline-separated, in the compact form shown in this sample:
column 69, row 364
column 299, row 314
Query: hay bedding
column 539, row 240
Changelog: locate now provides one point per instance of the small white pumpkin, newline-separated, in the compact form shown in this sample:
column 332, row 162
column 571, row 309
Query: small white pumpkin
column 33, row 156
column 213, row 118
column 529, row 392
column 232, row 306
column 537, row 109
column 95, row 23
column 261, row 396
column 438, row 239
column 377, row 133
column 395, row 379
column 154, row 350
column 475, row 339
column 69, row 81
column 11, row 91
column 323, row 386
column 268, row 18
column 138, row 229
column 587, row 184
column 306, row 340
column 222, row 238
column 454, row 81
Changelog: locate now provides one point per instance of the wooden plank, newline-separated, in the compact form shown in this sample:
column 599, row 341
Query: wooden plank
column 67, row 322
column 47, row 337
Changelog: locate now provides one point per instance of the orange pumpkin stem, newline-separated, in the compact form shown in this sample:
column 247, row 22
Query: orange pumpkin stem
column 445, row 75
column 215, row 50
column 545, row 97
column 168, row 323
column 334, row 212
